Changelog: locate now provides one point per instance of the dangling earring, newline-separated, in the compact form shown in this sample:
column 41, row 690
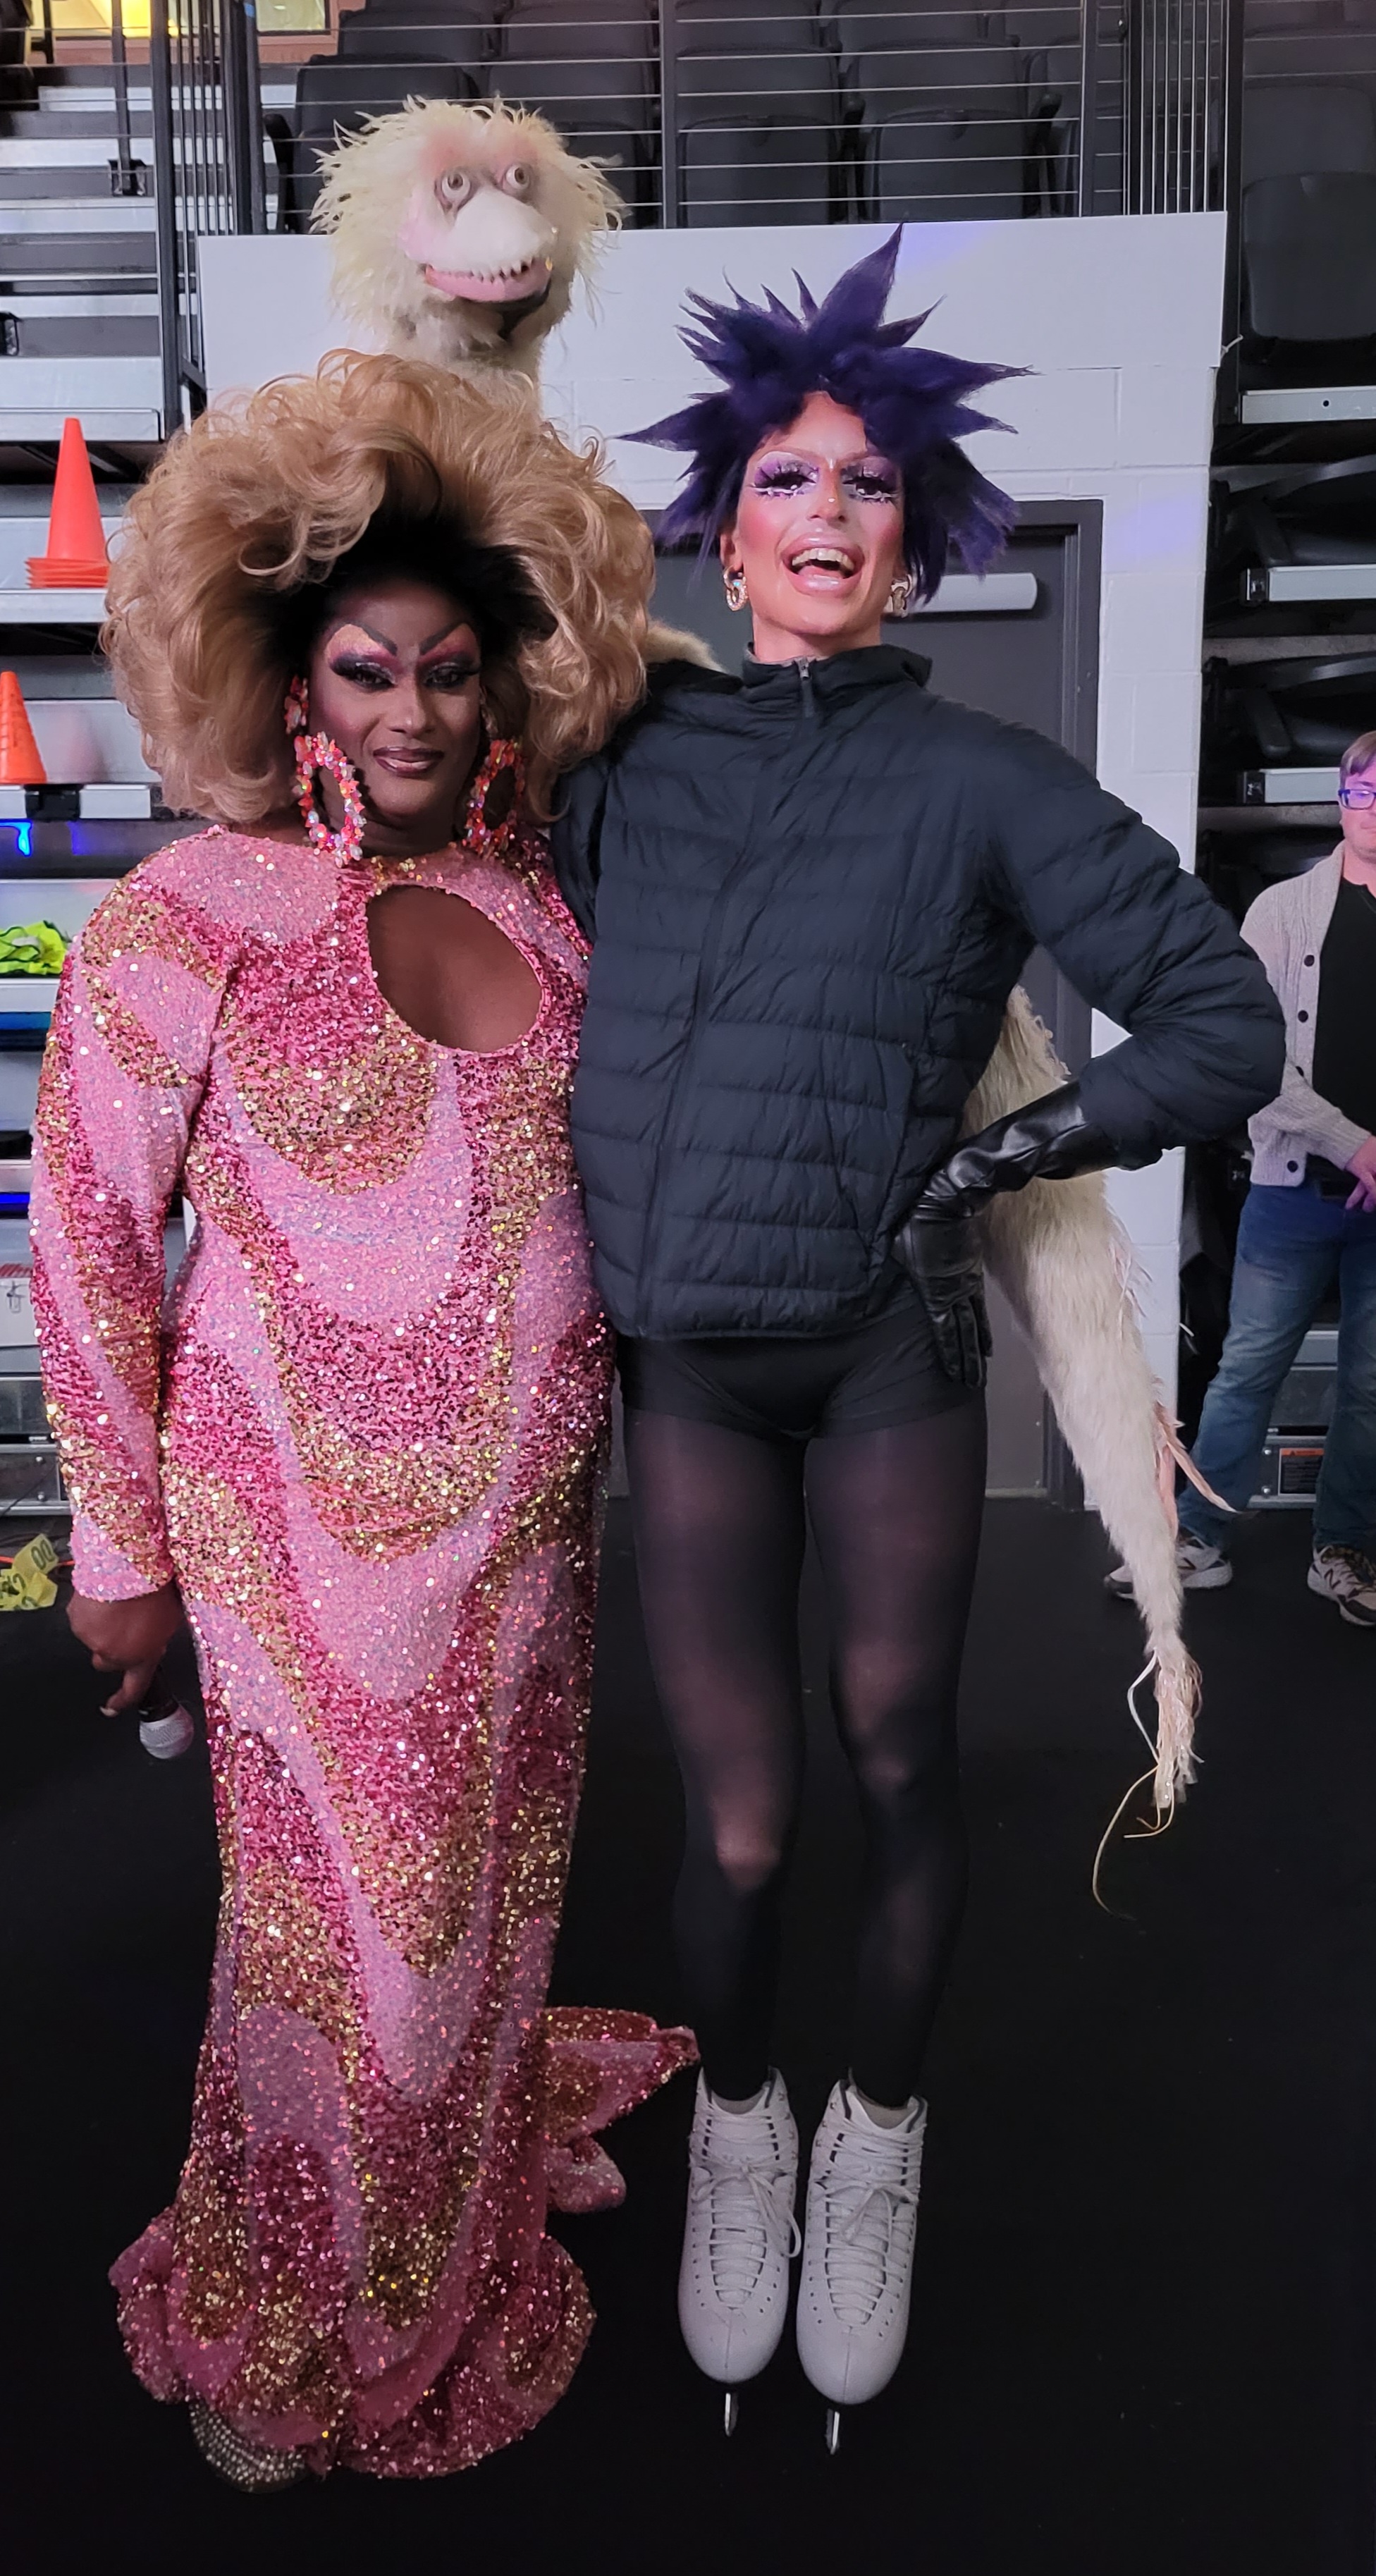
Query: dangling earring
column 901, row 595
column 733, row 583
column 316, row 752
column 493, row 805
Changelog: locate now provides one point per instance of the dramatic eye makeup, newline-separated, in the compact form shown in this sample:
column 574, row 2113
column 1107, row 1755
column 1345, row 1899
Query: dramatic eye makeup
column 366, row 660
column 871, row 478
column 863, row 478
column 451, row 671
column 369, row 662
column 362, row 671
column 783, row 474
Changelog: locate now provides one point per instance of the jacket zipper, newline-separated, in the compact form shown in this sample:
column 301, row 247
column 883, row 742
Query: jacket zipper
column 706, row 969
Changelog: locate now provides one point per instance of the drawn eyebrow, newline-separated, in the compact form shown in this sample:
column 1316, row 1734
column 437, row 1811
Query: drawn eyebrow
column 355, row 625
column 808, row 456
column 444, row 633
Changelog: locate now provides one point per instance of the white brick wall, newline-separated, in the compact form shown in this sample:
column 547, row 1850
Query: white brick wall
column 1117, row 318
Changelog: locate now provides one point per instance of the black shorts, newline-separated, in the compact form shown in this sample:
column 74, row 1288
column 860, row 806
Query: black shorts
column 799, row 1386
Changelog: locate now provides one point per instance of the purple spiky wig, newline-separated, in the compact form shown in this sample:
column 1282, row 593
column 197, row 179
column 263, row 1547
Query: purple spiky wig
column 912, row 403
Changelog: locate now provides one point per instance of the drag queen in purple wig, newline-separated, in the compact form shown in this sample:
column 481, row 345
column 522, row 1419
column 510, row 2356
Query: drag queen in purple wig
column 812, row 889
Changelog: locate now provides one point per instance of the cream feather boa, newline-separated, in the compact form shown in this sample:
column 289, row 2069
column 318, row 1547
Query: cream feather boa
column 1064, row 1266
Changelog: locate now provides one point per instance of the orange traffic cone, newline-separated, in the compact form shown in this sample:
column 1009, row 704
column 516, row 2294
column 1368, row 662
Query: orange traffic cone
column 21, row 763
column 76, row 558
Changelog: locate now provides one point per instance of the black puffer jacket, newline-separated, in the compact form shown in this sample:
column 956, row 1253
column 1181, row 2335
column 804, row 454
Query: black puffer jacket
column 811, row 892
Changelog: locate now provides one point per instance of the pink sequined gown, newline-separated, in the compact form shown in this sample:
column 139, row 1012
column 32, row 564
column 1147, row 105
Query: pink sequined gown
column 367, row 1442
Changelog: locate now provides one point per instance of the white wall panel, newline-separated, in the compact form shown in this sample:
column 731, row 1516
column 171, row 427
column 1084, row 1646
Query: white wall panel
column 1116, row 320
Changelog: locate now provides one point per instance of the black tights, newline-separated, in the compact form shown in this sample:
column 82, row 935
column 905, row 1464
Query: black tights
column 719, row 1534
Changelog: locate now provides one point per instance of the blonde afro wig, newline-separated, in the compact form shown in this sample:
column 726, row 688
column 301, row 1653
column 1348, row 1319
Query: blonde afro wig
column 263, row 495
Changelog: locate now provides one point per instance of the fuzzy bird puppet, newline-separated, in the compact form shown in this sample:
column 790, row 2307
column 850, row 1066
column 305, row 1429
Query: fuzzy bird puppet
column 458, row 234
column 459, row 231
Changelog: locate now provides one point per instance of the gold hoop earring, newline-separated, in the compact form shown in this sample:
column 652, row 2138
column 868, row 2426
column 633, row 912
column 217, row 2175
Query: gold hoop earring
column 733, row 583
column 901, row 595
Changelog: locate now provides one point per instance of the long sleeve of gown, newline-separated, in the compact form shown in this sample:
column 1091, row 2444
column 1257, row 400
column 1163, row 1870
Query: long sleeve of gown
column 122, row 1079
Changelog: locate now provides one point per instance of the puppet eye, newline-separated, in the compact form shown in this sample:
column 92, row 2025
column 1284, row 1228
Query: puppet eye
column 453, row 188
column 517, row 179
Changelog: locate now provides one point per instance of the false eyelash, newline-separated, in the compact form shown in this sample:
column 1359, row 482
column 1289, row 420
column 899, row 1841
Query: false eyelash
column 783, row 478
column 363, row 674
column 451, row 675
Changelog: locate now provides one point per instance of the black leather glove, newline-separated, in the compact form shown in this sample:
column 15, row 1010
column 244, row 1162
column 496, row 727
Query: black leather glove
column 941, row 1257
column 1051, row 1139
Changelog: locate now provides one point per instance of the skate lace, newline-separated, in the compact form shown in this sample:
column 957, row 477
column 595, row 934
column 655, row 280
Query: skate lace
column 862, row 2211
column 750, row 2209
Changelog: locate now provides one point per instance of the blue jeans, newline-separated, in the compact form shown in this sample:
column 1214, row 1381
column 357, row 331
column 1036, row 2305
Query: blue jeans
column 1293, row 1248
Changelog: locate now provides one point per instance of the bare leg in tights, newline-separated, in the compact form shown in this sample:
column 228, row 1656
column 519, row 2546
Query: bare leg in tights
column 719, row 1527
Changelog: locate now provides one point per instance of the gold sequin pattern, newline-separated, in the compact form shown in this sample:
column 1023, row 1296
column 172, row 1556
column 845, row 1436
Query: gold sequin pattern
column 369, row 1439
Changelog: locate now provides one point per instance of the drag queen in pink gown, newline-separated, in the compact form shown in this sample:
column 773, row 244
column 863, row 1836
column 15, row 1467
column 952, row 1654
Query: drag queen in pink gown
column 362, row 1450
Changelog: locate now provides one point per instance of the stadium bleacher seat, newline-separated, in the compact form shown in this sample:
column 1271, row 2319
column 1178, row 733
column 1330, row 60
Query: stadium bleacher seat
column 939, row 103
column 759, row 114
column 592, row 73
column 1309, row 211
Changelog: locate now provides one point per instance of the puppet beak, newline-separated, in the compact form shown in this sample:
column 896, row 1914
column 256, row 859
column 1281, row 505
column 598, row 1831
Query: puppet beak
column 529, row 285
column 490, row 249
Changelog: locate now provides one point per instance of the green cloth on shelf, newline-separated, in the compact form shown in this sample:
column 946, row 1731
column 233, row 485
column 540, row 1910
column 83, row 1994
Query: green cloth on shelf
column 32, row 948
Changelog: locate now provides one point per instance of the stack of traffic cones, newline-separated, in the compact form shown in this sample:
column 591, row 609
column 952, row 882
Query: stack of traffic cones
column 76, row 558
column 21, row 763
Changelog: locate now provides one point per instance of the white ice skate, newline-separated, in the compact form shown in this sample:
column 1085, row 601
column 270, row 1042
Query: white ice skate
column 740, row 2235
column 858, row 2252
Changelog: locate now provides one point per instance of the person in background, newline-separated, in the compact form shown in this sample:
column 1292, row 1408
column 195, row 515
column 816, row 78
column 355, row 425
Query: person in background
column 1309, row 1220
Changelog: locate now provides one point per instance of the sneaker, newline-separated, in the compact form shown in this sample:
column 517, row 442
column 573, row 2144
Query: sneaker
column 861, row 2227
column 1201, row 1568
column 1345, row 1575
column 740, row 2234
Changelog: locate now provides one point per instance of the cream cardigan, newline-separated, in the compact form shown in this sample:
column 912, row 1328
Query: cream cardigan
column 1286, row 927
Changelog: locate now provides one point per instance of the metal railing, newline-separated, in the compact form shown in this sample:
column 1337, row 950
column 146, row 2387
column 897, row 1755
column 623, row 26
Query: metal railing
column 1179, row 80
column 208, row 152
column 127, row 175
column 721, row 111
column 819, row 110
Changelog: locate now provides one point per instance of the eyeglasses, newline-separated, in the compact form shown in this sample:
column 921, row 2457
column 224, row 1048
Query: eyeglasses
column 1357, row 798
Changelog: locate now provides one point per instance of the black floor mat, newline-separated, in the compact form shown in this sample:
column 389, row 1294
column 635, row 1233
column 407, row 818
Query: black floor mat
column 1143, row 2321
